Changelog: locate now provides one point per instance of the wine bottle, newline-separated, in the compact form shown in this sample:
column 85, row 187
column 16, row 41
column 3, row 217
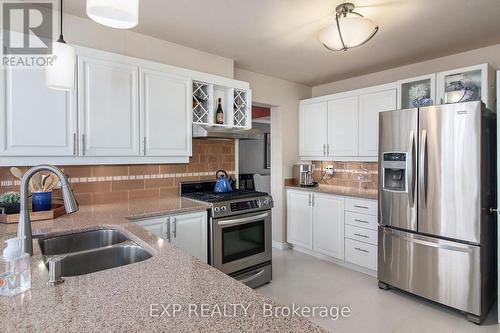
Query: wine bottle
column 219, row 115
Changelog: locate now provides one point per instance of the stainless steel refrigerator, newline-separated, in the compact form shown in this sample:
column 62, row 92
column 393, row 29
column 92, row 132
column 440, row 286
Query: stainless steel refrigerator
column 437, row 237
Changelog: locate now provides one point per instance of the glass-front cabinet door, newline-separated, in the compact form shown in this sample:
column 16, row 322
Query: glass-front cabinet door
column 416, row 92
column 463, row 85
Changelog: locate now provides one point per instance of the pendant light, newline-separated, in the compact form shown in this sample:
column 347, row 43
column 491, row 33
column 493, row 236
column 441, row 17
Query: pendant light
column 119, row 14
column 349, row 30
column 61, row 74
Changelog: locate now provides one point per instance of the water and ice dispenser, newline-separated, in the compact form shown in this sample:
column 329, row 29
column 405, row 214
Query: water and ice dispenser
column 394, row 172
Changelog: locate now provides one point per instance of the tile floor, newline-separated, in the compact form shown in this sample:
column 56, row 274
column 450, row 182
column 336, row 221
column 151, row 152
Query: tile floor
column 305, row 280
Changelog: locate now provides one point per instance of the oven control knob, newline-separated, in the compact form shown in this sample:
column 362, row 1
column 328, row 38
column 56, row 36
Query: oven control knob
column 216, row 209
column 223, row 208
column 266, row 202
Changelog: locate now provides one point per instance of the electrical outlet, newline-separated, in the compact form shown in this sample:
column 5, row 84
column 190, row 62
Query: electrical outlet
column 329, row 170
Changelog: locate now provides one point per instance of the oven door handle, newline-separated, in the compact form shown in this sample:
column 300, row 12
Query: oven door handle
column 243, row 219
column 252, row 277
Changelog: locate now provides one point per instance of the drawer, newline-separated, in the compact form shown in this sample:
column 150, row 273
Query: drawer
column 361, row 220
column 361, row 254
column 362, row 206
column 361, row 234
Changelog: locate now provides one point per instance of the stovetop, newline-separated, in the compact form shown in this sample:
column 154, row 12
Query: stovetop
column 236, row 202
column 218, row 197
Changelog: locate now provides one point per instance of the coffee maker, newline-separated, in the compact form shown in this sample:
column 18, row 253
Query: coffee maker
column 303, row 174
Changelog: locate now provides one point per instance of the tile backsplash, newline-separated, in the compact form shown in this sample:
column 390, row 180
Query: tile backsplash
column 361, row 175
column 105, row 183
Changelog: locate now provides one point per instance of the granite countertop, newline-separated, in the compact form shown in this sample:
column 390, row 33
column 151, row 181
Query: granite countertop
column 123, row 298
column 340, row 190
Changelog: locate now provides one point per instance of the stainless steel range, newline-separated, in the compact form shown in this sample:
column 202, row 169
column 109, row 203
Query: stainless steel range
column 239, row 232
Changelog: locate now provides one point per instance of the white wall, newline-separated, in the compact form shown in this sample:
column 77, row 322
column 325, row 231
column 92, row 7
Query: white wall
column 84, row 32
column 284, row 96
column 490, row 54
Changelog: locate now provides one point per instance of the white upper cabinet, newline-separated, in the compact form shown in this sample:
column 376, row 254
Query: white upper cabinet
column 108, row 101
column 343, row 127
column 467, row 84
column 313, row 129
column 370, row 105
column 328, row 217
column 35, row 120
column 165, row 105
column 416, row 92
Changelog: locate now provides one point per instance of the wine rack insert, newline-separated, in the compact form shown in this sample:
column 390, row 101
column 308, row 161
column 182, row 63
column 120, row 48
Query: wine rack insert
column 236, row 104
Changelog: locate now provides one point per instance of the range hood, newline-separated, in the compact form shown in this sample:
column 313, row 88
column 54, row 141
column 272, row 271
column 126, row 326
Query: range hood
column 214, row 132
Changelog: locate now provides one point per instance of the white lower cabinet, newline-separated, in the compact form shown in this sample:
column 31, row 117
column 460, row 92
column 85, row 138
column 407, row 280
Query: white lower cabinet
column 328, row 219
column 361, row 254
column 186, row 231
column 333, row 226
column 300, row 226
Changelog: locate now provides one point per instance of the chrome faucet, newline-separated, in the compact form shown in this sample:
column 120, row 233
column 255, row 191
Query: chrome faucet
column 24, row 228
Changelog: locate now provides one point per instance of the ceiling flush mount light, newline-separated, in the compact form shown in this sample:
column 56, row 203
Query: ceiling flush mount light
column 349, row 30
column 61, row 74
column 119, row 14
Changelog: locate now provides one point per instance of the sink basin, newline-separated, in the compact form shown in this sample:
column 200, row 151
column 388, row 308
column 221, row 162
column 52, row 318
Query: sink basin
column 81, row 241
column 92, row 251
column 105, row 258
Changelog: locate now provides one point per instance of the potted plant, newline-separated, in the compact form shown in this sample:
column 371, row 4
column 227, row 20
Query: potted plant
column 10, row 201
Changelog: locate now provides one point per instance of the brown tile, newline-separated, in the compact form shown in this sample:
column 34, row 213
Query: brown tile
column 110, row 170
column 167, row 192
column 125, row 185
column 91, row 187
column 173, row 168
column 77, row 171
column 84, row 198
column 5, row 174
column 9, row 189
column 197, row 167
column 140, row 194
column 227, row 158
column 185, row 179
column 104, row 198
column 161, row 182
column 144, row 169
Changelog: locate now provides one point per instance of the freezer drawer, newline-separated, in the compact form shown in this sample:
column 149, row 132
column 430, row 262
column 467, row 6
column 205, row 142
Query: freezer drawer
column 439, row 270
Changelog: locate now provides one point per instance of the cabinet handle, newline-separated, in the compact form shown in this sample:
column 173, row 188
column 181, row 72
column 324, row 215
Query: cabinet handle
column 361, row 221
column 312, row 202
column 328, row 149
column 168, row 230
column 361, row 235
column 324, row 149
column 144, row 143
column 361, row 250
column 83, row 144
column 309, row 199
column 175, row 227
column 75, row 144
column 363, row 207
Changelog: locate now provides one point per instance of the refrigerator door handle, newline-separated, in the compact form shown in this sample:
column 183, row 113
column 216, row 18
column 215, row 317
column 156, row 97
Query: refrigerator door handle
column 422, row 180
column 411, row 168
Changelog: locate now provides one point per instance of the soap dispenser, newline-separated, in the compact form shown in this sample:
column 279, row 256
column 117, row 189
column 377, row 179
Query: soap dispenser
column 15, row 272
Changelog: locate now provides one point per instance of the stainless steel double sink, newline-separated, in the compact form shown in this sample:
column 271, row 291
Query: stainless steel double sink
column 92, row 251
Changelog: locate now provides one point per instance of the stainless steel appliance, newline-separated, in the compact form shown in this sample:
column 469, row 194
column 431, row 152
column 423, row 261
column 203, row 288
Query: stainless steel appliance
column 436, row 233
column 240, row 239
column 303, row 174
column 213, row 132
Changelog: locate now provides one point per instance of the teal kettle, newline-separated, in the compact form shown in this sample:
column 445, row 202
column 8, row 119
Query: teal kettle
column 223, row 182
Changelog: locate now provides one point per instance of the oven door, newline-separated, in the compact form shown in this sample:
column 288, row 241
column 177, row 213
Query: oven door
column 242, row 241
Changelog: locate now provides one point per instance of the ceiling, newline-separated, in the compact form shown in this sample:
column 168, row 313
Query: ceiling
column 279, row 37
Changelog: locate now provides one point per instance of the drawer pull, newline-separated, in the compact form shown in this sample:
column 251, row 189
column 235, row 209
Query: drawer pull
column 364, row 207
column 361, row 250
column 361, row 221
column 360, row 235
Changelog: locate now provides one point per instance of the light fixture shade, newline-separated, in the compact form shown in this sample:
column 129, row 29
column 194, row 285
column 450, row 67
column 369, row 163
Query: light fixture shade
column 61, row 74
column 119, row 14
